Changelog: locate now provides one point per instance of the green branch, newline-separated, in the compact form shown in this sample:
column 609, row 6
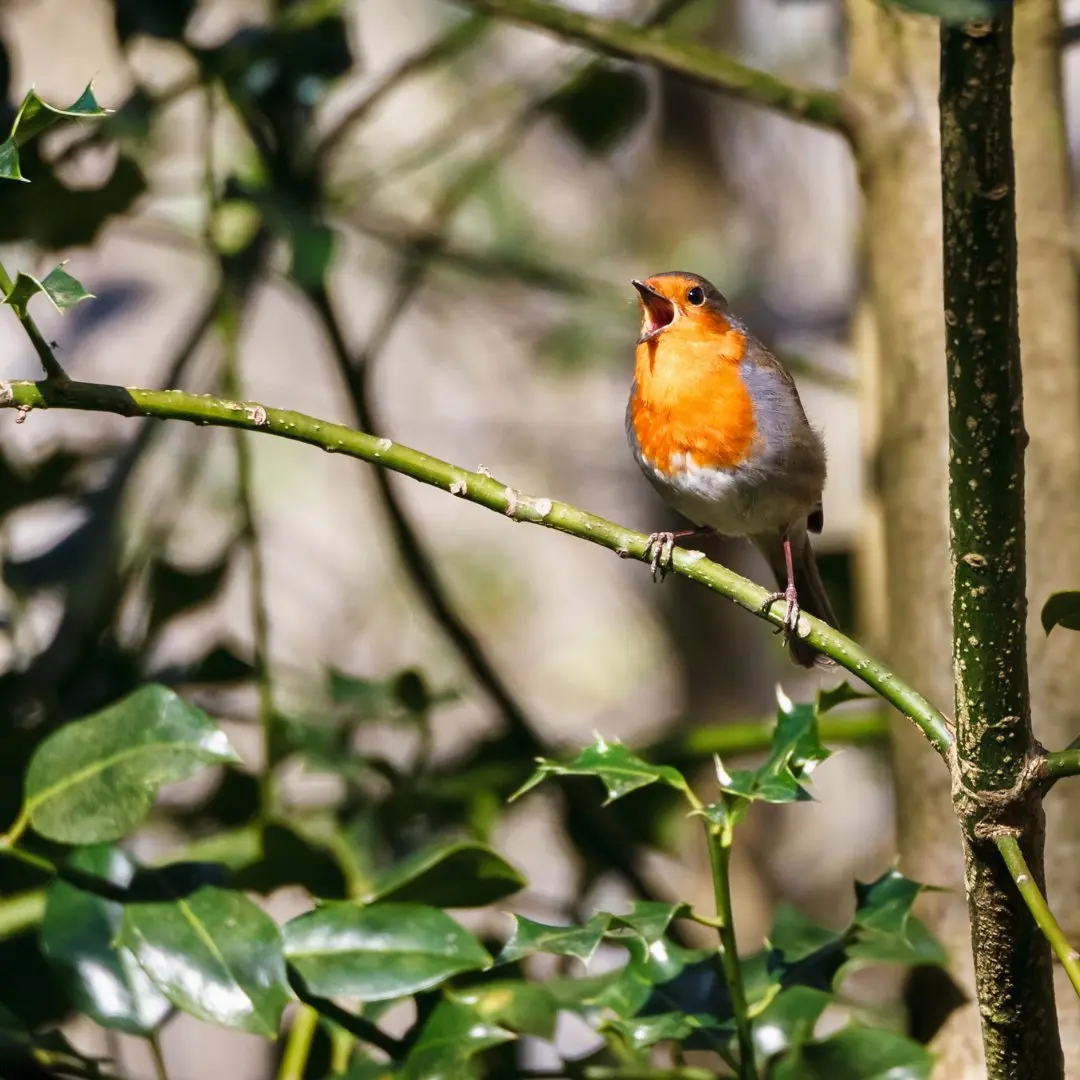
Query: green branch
column 696, row 63
column 483, row 490
column 1062, row 763
column 1028, row 887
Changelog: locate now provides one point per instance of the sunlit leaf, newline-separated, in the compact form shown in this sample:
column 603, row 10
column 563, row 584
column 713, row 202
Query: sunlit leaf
column 379, row 952
column 532, row 937
column 640, row 1032
column 453, row 1034
column 78, row 934
column 95, row 779
column 34, row 117
column 58, row 285
column 648, row 919
column 620, row 770
column 526, row 1008
column 215, row 955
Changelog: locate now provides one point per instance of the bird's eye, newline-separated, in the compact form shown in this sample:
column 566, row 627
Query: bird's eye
column 696, row 296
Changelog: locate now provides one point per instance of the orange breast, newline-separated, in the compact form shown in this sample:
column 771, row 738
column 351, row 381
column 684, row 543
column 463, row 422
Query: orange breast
column 689, row 398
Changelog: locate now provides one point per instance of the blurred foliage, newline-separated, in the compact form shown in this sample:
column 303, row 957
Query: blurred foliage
column 94, row 721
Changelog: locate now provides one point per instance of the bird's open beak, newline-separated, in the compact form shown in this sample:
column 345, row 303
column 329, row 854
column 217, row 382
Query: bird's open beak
column 657, row 311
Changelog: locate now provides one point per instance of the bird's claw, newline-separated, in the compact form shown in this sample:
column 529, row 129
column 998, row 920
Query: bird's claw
column 792, row 611
column 659, row 551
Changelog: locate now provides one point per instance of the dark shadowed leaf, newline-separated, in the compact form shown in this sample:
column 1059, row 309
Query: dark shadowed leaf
column 58, row 285
column 174, row 590
column 158, row 18
column 379, row 952
column 289, row 858
column 955, row 11
column 858, row 1052
column 215, row 955
column 35, row 1056
column 532, row 937
column 620, row 770
column 78, row 935
column 453, row 1035
column 838, row 695
column 461, row 873
column 600, row 108
column 1062, row 609
column 95, row 780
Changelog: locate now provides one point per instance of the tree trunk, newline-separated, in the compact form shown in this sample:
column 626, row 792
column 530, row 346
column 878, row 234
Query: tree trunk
column 893, row 84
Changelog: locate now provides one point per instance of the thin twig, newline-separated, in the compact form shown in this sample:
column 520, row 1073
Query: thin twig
column 1009, row 847
column 696, row 63
column 154, row 1042
column 485, row 491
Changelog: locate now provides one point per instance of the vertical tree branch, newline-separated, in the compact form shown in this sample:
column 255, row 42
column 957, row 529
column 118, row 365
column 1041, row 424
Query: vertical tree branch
column 994, row 741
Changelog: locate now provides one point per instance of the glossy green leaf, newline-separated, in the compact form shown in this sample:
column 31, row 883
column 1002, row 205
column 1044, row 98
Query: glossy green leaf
column 58, row 285
column 96, row 779
column 641, row 1032
column 34, row 117
column 859, row 1052
column 1062, row 609
column 379, row 952
column 532, row 937
column 78, row 935
column 453, row 1034
column 795, row 936
column 215, row 955
column 954, row 11
column 620, row 770
column 526, row 1008
column 456, row 874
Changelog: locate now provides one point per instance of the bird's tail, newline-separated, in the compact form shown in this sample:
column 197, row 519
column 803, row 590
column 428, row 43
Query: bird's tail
column 813, row 599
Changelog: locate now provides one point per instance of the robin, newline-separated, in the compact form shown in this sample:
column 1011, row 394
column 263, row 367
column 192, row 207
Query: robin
column 716, row 424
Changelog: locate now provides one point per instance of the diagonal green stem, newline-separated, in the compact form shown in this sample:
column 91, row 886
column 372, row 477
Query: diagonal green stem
column 1028, row 887
column 485, row 491
column 719, row 840
column 52, row 367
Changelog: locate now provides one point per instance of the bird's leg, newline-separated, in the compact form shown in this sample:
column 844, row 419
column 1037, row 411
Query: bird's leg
column 661, row 545
column 789, row 595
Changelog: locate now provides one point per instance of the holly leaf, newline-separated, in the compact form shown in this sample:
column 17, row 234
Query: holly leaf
column 34, row 117
column 453, row 1035
column 620, row 771
column 532, row 937
column 856, row 1051
column 58, row 285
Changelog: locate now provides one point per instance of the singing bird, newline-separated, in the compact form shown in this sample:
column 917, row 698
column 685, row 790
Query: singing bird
column 716, row 424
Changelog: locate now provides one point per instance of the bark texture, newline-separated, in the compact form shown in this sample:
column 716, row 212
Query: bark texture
column 893, row 88
column 994, row 742
column 1050, row 335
